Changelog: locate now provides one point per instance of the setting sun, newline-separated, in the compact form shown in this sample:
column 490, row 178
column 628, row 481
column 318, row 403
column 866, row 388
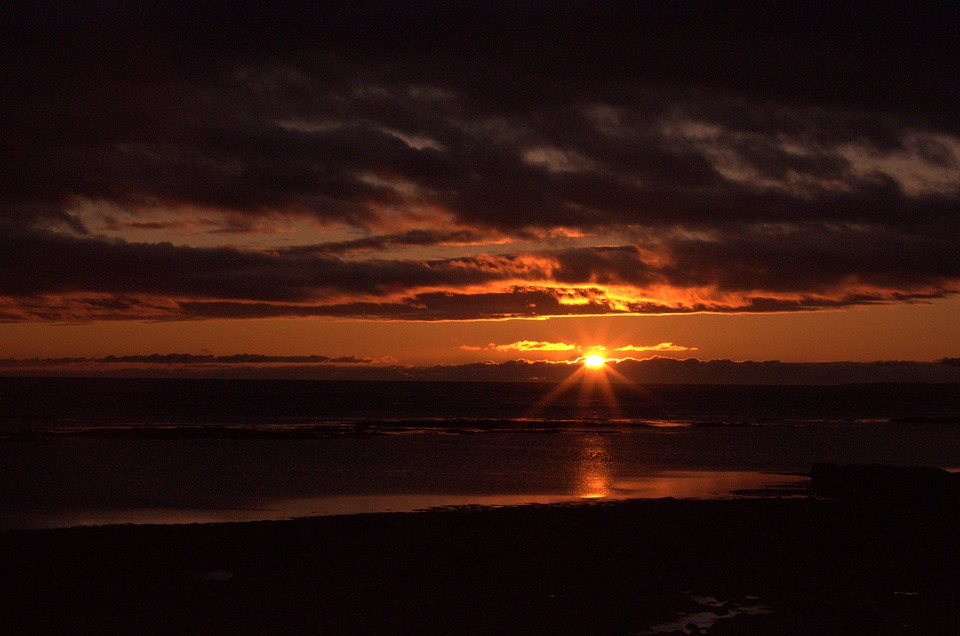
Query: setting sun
column 594, row 361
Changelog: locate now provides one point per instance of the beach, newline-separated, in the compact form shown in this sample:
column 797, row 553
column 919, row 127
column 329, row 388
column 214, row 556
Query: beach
column 720, row 510
column 875, row 561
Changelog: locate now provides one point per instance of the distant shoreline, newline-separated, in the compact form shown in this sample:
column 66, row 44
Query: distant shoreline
column 654, row 370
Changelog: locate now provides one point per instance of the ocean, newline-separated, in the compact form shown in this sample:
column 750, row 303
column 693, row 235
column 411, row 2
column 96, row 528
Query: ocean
column 96, row 451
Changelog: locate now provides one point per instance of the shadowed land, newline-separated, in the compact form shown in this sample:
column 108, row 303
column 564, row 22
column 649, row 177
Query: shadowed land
column 866, row 561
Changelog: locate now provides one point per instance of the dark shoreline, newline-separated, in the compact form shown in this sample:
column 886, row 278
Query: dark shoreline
column 860, row 563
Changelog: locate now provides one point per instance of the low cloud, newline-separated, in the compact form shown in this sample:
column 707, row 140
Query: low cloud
column 525, row 345
column 663, row 346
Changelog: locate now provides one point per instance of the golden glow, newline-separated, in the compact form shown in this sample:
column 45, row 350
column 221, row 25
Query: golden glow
column 594, row 468
column 596, row 395
column 863, row 335
column 532, row 345
column 594, row 361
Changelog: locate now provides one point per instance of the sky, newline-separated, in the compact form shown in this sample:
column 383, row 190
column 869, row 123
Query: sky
column 315, row 189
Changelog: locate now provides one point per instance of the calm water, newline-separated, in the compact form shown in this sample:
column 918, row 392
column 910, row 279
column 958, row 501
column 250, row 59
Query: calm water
column 106, row 451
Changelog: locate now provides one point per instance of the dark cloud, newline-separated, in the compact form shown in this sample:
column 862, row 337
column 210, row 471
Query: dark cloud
column 40, row 262
column 816, row 258
column 238, row 358
column 55, row 276
column 797, row 50
column 184, row 359
column 514, row 303
column 602, row 265
column 793, row 155
column 410, row 238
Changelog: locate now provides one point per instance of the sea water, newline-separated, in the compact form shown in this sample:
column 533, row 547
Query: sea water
column 77, row 451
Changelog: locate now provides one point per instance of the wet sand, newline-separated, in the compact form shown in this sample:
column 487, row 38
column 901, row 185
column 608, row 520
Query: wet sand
column 863, row 562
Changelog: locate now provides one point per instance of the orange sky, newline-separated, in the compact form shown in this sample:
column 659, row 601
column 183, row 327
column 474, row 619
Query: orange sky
column 896, row 332
column 697, row 183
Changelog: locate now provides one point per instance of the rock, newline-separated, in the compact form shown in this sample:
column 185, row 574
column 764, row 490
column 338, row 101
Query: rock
column 867, row 481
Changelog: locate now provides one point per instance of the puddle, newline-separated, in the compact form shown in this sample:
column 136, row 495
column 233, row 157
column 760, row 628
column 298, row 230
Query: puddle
column 710, row 611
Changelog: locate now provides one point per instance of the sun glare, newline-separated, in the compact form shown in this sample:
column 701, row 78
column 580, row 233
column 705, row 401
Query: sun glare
column 594, row 361
column 595, row 376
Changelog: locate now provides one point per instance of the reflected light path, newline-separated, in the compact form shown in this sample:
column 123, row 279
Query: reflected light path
column 594, row 469
column 594, row 482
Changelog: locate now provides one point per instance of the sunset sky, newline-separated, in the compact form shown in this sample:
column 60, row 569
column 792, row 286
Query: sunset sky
column 392, row 184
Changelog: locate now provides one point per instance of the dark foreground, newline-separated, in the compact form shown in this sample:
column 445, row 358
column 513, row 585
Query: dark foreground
column 861, row 562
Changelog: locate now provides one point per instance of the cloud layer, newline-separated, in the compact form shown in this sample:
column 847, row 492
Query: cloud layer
column 440, row 161
column 654, row 370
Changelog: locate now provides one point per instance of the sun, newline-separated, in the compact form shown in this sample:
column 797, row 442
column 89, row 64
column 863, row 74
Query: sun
column 595, row 377
column 594, row 361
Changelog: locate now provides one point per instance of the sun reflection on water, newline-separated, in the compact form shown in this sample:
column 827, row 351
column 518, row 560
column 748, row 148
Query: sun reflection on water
column 594, row 468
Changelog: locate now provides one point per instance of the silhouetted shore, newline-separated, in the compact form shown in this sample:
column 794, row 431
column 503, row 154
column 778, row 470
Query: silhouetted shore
column 862, row 562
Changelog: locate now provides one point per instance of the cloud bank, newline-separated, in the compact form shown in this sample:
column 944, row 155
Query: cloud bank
column 437, row 161
column 653, row 370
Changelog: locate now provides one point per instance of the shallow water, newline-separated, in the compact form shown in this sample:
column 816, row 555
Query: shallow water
column 682, row 484
column 80, row 480
column 82, row 452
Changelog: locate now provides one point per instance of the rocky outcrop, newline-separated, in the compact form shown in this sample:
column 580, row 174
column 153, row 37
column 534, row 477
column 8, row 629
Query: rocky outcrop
column 865, row 481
